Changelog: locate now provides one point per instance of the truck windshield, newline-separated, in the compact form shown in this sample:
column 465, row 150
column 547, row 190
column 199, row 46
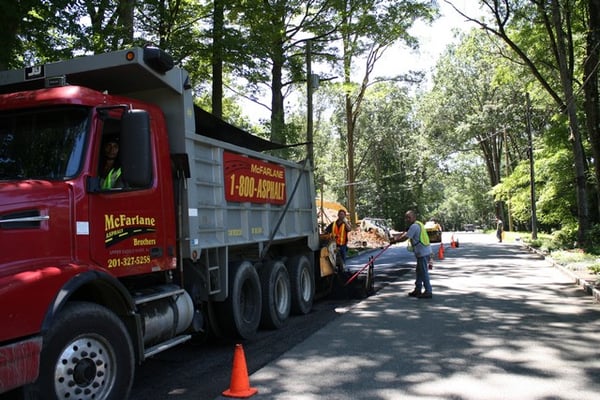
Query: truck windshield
column 42, row 143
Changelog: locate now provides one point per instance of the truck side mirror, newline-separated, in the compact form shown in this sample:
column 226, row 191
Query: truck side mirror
column 135, row 149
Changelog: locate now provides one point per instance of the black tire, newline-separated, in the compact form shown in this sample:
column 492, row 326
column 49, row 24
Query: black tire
column 239, row 315
column 276, row 295
column 302, row 283
column 87, row 354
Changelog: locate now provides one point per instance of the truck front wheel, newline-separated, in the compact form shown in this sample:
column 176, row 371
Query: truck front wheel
column 87, row 354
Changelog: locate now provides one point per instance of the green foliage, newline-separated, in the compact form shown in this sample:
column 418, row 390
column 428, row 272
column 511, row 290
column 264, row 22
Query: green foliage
column 465, row 197
column 466, row 115
column 555, row 194
column 572, row 257
column 537, row 243
column 565, row 238
column 593, row 239
column 594, row 269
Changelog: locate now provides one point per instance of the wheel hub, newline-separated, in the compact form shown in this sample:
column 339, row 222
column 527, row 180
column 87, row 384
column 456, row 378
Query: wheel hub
column 85, row 370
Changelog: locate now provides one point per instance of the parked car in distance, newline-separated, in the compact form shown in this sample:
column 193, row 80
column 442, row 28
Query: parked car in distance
column 379, row 226
column 469, row 228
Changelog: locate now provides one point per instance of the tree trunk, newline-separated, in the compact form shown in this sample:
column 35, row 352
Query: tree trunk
column 590, row 88
column 350, row 154
column 277, row 30
column 566, row 79
column 124, row 33
column 277, row 116
column 217, row 59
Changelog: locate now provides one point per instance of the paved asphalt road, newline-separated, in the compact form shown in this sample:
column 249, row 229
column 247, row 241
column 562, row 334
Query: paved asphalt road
column 503, row 324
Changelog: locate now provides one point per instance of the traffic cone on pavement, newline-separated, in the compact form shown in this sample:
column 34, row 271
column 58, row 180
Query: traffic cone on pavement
column 452, row 242
column 441, row 252
column 240, row 383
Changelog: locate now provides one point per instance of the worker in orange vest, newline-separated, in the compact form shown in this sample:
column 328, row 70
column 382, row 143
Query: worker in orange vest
column 339, row 231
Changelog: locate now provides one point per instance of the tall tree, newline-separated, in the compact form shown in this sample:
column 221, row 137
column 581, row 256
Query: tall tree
column 173, row 25
column 476, row 106
column 368, row 29
column 36, row 31
column 276, row 32
column 109, row 24
column 390, row 159
column 556, row 18
column 590, row 85
column 13, row 15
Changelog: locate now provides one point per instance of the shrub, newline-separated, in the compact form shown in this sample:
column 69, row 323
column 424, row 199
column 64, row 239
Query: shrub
column 593, row 239
column 537, row 243
column 594, row 269
column 566, row 238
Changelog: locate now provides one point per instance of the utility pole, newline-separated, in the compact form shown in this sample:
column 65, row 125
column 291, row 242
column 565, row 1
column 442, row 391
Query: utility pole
column 531, row 170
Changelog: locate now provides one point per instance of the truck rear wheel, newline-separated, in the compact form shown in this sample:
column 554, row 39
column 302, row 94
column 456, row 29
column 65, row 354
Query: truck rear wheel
column 87, row 354
column 240, row 313
column 302, row 283
column 276, row 294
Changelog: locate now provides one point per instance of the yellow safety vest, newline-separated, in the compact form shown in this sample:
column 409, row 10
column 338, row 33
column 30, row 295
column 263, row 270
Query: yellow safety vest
column 339, row 232
column 111, row 178
column 423, row 237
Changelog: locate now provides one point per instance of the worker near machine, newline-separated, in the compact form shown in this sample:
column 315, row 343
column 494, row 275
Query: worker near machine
column 339, row 231
column 110, row 171
column 419, row 241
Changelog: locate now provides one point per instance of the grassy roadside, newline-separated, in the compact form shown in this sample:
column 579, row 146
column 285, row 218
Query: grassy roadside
column 574, row 259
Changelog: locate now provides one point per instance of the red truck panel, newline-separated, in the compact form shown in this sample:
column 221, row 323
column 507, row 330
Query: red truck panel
column 19, row 363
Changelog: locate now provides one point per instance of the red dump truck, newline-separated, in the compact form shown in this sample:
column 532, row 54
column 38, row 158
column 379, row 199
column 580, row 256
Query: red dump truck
column 205, row 231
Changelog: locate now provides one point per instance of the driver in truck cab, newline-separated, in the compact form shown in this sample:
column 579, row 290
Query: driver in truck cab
column 110, row 169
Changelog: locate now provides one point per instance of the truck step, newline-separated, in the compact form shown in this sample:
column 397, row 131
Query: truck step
column 158, row 293
column 166, row 345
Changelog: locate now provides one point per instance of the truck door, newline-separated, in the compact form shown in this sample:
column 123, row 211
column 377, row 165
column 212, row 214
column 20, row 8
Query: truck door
column 128, row 230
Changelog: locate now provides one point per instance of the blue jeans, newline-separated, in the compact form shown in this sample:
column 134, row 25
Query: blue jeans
column 422, row 274
column 343, row 250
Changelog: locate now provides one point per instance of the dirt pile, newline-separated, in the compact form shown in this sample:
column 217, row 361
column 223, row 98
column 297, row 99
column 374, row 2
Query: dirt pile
column 356, row 238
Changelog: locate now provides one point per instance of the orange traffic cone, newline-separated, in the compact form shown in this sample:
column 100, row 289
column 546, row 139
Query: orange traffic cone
column 240, row 384
column 441, row 252
column 452, row 242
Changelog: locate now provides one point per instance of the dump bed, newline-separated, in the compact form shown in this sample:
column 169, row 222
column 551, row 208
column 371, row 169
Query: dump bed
column 237, row 196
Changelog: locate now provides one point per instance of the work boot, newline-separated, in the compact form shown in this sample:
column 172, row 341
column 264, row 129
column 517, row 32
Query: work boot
column 414, row 293
column 425, row 295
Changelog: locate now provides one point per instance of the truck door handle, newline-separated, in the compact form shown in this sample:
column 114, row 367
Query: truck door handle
column 156, row 252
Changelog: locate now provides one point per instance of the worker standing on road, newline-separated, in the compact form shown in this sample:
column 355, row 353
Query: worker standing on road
column 499, row 229
column 419, row 241
column 339, row 230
